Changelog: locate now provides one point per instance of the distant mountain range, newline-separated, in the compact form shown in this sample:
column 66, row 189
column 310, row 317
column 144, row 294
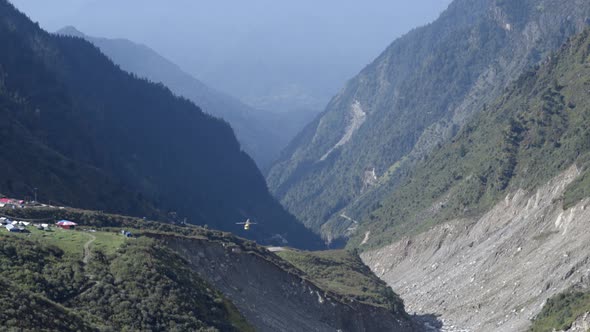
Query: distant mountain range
column 263, row 134
column 87, row 134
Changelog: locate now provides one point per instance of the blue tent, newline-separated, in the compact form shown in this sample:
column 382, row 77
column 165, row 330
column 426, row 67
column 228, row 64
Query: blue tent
column 12, row 228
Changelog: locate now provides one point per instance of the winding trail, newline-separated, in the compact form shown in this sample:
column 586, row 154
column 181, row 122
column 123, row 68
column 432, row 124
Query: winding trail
column 87, row 249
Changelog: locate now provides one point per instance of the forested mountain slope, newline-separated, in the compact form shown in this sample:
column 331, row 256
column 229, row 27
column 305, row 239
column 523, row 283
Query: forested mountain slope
column 177, row 278
column 143, row 286
column 262, row 133
column 413, row 97
column 494, row 223
column 86, row 133
column 536, row 130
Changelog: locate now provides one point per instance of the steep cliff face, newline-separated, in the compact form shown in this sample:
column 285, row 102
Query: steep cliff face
column 493, row 273
column 413, row 97
column 275, row 297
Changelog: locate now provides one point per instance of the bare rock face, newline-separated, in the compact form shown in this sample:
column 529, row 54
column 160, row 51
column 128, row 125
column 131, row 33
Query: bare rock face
column 493, row 273
column 272, row 299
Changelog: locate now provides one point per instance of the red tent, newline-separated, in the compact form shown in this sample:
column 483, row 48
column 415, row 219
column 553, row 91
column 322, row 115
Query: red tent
column 6, row 200
column 66, row 224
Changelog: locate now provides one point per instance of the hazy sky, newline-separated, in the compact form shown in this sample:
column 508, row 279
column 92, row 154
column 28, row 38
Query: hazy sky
column 254, row 49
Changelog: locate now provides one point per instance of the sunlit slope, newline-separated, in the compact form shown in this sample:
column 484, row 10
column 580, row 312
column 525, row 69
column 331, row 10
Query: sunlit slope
column 415, row 96
column 536, row 130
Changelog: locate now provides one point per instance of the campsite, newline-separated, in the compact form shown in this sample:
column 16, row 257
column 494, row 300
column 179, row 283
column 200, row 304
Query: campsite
column 71, row 241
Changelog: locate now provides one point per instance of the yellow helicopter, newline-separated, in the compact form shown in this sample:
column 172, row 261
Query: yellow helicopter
column 246, row 224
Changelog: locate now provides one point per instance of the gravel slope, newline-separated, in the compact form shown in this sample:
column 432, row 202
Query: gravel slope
column 495, row 272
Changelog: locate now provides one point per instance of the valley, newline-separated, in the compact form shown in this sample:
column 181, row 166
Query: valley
column 261, row 133
column 481, row 222
column 445, row 188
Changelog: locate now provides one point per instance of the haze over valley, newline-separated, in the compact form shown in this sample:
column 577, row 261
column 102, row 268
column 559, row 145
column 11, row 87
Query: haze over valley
column 269, row 166
column 271, row 55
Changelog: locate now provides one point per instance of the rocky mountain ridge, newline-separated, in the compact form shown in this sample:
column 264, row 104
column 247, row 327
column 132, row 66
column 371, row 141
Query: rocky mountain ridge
column 493, row 224
column 416, row 95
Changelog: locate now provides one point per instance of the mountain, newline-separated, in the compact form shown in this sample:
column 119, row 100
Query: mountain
column 178, row 278
column 415, row 96
column 87, row 134
column 490, row 230
column 263, row 134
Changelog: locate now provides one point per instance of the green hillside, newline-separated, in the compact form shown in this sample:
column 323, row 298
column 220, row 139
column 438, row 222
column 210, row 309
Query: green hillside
column 414, row 97
column 561, row 311
column 536, row 130
column 133, row 285
column 93, row 278
column 87, row 134
column 32, row 312
column 344, row 273
column 340, row 272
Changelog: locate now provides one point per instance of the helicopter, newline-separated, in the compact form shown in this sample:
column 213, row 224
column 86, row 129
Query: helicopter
column 246, row 224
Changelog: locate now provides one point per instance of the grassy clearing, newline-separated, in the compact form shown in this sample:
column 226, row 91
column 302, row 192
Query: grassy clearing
column 343, row 273
column 72, row 241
